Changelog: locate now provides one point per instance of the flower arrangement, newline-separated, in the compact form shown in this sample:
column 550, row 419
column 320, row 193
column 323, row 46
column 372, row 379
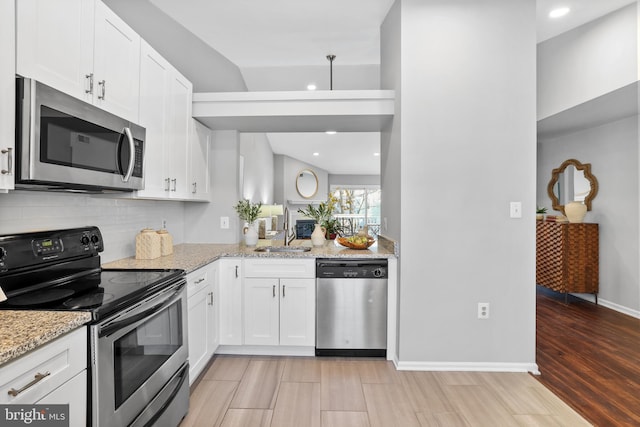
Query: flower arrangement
column 248, row 211
column 323, row 215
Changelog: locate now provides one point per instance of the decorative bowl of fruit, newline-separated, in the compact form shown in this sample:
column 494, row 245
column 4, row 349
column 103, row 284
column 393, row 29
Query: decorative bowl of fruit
column 356, row 242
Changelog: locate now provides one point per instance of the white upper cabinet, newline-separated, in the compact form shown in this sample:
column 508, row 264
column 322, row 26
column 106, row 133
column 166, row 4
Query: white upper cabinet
column 7, row 96
column 116, row 60
column 199, row 145
column 82, row 48
column 165, row 113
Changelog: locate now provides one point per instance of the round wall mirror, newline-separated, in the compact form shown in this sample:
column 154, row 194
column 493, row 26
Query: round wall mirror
column 572, row 182
column 307, row 183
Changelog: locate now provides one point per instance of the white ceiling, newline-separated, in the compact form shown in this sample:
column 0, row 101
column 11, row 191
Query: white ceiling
column 282, row 45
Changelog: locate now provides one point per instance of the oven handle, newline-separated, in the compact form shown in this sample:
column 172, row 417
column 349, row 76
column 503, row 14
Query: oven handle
column 180, row 379
column 110, row 328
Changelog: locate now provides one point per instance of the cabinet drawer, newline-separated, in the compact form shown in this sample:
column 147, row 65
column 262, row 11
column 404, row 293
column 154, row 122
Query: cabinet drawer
column 62, row 358
column 197, row 280
column 280, row 268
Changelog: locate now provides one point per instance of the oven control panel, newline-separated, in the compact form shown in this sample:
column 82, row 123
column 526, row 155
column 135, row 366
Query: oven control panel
column 47, row 246
column 27, row 249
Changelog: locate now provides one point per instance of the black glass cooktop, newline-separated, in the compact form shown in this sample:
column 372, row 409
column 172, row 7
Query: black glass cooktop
column 101, row 293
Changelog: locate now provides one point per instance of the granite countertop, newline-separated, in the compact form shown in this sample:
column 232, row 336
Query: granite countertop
column 22, row 331
column 191, row 256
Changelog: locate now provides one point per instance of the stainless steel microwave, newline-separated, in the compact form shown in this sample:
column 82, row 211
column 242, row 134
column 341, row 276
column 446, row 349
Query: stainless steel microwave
column 65, row 143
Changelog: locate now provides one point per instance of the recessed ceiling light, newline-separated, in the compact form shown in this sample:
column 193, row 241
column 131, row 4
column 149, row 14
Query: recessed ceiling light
column 559, row 12
column 376, row 154
column 331, row 132
column 311, row 86
column 316, row 154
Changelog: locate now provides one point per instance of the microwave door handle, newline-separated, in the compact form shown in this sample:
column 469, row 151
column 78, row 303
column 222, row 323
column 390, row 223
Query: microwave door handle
column 132, row 155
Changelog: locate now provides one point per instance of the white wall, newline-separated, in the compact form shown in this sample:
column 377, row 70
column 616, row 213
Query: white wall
column 353, row 180
column 612, row 150
column 589, row 61
column 119, row 220
column 258, row 167
column 467, row 131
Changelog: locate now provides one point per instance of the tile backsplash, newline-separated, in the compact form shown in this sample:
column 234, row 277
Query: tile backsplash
column 119, row 219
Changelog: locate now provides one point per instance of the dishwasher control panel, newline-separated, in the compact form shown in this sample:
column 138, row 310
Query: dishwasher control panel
column 351, row 269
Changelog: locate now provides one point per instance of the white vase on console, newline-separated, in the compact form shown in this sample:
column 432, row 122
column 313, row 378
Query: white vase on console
column 575, row 211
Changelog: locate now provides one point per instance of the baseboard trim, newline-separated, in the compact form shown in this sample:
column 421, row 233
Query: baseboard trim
column 266, row 350
column 608, row 304
column 467, row 366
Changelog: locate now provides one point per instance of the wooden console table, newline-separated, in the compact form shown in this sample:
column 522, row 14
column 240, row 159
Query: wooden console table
column 567, row 257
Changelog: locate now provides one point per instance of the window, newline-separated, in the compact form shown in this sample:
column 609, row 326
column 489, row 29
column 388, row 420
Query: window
column 357, row 206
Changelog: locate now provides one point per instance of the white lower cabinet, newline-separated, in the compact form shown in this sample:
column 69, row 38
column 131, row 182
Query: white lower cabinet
column 279, row 302
column 55, row 373
column 279, row 311
column 202, row 306
column 230, row 273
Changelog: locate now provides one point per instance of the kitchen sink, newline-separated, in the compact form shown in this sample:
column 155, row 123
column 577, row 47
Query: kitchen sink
column 283, row 249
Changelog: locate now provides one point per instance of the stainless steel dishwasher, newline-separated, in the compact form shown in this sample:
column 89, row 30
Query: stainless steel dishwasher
column 351, row 307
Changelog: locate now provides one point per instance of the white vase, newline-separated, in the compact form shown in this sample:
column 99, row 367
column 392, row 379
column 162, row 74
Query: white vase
column 575, row 211
column 250, row 235
column 317, row 237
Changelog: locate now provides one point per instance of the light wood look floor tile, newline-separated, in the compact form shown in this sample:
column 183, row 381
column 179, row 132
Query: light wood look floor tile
column 247, row 418
column 442, row 419
column 344, row 392
column 298, row 405
column 341, row 389
column 344, row 419
column 259, row 385
column 389, row 406
column 227, row 368
column 301, row 370
column 208, row 403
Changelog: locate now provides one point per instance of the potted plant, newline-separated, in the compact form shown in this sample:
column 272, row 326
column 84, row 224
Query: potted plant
column 249, row 212
column 322, row 215
column 540, row 213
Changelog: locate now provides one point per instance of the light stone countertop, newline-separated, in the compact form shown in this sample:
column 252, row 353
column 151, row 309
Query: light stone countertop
column 22, row 331
column 191, row 256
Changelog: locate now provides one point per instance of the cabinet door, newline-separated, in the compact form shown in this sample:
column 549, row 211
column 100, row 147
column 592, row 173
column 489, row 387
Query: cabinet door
column 154, row 99
column 116, row 64
column 261, row 314
column 213, row 312
column 74, row 394
column 55, row 43
column 200, row 141
column 177, row 145
column 7, row 96
column 197, row 306
column 230, row 301
column 297, row 312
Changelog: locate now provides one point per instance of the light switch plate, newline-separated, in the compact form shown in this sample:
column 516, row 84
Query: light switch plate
column 224, row 222
column 515, row 209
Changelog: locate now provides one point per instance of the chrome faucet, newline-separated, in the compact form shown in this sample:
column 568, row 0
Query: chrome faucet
column 288, row 238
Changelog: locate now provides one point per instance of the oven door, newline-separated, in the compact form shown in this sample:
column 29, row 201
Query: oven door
column 135, row 357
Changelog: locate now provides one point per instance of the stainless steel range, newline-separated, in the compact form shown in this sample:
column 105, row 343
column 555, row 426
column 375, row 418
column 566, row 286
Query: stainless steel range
column 137, row 337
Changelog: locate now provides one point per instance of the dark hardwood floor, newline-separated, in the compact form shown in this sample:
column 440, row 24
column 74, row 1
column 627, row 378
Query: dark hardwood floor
column 589, row 356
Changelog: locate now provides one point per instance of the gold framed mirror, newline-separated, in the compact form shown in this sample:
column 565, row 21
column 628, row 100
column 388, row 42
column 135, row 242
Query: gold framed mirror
column 307, row 183
column 572, row 181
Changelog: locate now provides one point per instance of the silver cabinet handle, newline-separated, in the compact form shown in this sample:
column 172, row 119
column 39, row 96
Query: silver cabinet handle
column 236, row 271
column 274, row 291
column 283, row 286
column 9, row 170
column 103, row 89
column 195, row 186
column 90, row 78
column 38, row 377
column 174, row 180
column 200, row 280
column 167, row 181
column 210, row 298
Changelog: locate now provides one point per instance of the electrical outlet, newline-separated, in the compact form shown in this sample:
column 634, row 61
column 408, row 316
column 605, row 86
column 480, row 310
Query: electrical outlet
column 224, row 222
column 164, row 224
column 483, row 310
